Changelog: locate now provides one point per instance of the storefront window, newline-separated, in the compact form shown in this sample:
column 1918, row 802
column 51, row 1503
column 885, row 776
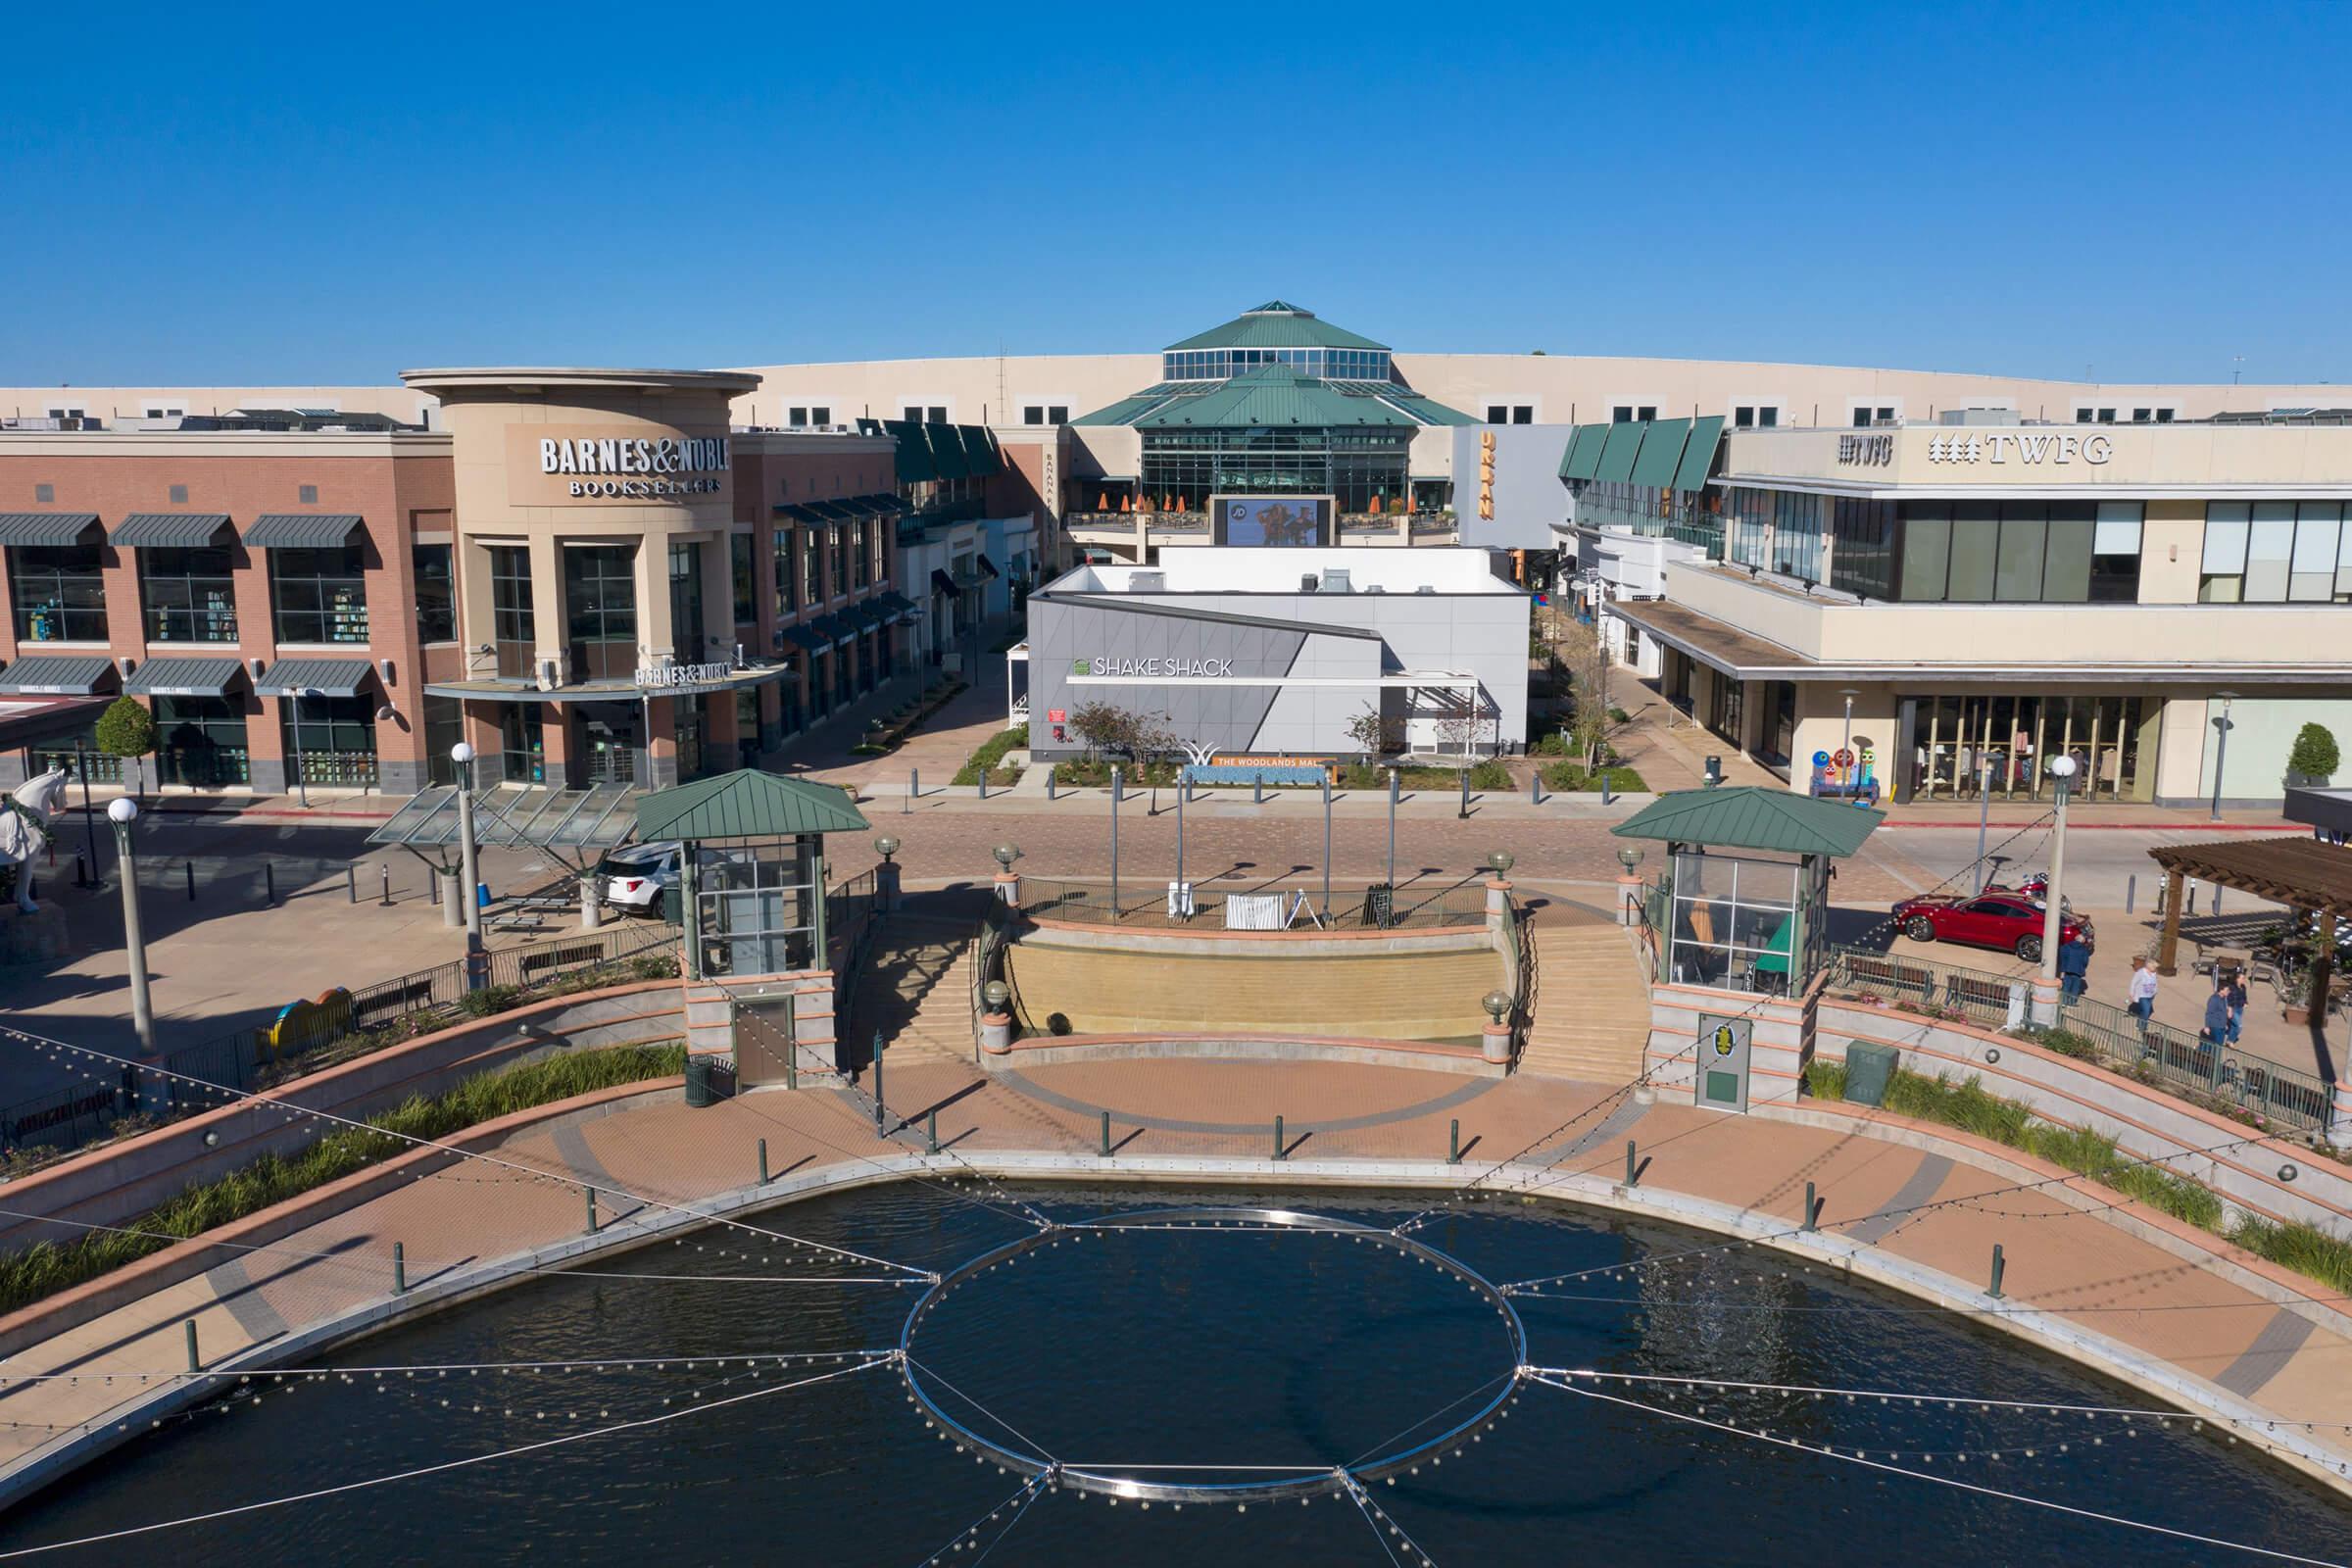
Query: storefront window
column 200, row 741
column 2001, row 744
column 2019, row 551
column 190, row 595
column 599, row 610
column 320, row 596
column 1735, row 921
column 2276, row 552
column 788, row 580
column 58, row 593
column 839, row 540
column 61, row 752
column 436, row 594
column 861, row 555
column 1726, row 701
column 513, row 628
column 687, row 639
column 330, row 740
column 756, row 908
column 738, row 577
column 522, row 742
column 812, row 589
column 444, row 727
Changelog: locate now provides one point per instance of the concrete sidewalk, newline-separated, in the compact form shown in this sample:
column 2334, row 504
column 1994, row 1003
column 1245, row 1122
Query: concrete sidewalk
column 2192, row 1315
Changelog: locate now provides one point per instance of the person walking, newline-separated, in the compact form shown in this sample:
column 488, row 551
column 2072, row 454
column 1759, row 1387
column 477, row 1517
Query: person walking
column 2217, row 1015
column 2237, row 1003
column 2074, row 967
column 2140, row 996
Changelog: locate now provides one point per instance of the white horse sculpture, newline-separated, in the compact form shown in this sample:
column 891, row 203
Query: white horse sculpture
column 25, row 828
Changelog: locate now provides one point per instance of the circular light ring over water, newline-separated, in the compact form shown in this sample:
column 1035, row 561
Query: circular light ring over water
column 1207, row 1483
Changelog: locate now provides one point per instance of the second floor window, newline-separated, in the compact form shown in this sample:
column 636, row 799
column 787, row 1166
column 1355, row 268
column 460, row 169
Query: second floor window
column 813, row 568
column 864, row 555
column 57, row 593
column 511, row 623
column 788, row 580
column 436, row 595
column 319, row 595
column 600, row 608
column 841, row 559
column 190, row 595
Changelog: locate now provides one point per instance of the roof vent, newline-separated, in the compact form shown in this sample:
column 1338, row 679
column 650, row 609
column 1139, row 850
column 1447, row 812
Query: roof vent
column 1335, row 581
column 1306, row 582
column 1425, row 588
column 1147, row 582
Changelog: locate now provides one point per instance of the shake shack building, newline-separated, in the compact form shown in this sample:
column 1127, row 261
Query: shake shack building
column 1276, row 652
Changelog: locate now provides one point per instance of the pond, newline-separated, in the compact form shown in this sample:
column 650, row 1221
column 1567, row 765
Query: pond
column 1213, row 1352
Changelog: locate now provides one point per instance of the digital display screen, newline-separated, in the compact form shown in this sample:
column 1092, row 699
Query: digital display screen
column 1276, row 520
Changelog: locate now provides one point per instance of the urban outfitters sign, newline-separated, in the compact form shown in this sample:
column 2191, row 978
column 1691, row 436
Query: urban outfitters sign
column 553, row 465
column 2027, row 446
column 1155, row 668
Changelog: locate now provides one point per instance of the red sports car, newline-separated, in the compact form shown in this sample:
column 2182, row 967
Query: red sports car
column 2009, row 921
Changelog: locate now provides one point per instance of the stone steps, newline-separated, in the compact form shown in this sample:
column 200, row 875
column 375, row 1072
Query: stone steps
column 1592, row 1014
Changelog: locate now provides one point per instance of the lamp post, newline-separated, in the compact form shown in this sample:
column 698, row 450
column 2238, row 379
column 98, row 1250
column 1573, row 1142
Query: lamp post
column 302, row 782
column 1116, row 781
column 1629, row 881
column 1009, row 882
column 2045, row 988
column 2221, row 748
column 469, row 873
column 1845, row 739
column 124, row 812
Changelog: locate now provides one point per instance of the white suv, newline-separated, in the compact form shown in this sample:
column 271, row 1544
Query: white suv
column 636, row 876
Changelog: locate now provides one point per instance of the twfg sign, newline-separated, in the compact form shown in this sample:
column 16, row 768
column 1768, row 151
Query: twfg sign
column 2020, row 446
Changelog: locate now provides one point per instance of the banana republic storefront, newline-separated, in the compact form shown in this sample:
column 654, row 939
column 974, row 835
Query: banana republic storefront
column 594, row 584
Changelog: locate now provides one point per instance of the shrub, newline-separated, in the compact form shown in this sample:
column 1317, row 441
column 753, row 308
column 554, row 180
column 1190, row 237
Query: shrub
column 2313, row 757
column 1575, row 777
column 990, row 757
column 1490, row 776
column 2305, row 1249
column 128, row 730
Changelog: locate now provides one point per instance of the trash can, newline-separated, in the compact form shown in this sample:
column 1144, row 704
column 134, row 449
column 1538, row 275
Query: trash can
column 1868, row 1067
column 700, row 1092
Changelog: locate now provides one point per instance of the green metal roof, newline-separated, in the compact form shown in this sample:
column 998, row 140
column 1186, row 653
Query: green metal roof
column 1661, row 451
column 1125, row 411
column 1273, row 395
column 913, row 462
column 148, row 530
column 1583, row 457
column 1617, row 458
column 1277, row 324
column 947, row 453
column 1698, row 454
column 1428, row 410
column 1753, row 817
column 745, row 804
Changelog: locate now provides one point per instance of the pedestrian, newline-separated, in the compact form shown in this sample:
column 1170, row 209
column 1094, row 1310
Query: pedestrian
column 2217, row 1015
column 2237, row 1003
column 2141, row 996
column 2074, row 967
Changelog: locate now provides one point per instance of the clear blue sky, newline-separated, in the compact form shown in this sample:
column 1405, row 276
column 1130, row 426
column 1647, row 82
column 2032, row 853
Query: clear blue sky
column 331, row 193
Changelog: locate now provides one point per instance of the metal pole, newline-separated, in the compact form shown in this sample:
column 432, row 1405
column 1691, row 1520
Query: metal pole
column 1984, row 814
column 1809, row 1206
column 1114, row 844
column 1279, row 1140
column 351, row 883
column 913, row 782
column 1257, row 788
column 931, row 1131
column 2220, row 758
column 763, row 1162
column 1395, row 780
column 134, row 940
column 1464, row 813
column 1107, row 1135
column 1049, row 768
column 2055, row 899
column 591, row 1191
column 469, row 860
column 189, row 866
column 194, row 1364
column 2131, row 891
column 387, row 870
column 1535, row 786
column 1327, row 845
column 269, row 883
column 1180, row 794
column 1453, row 1141
column 400, row 1270
column 879, row 1110
column 89, row 822
column 1994, row 1289
column 301, row 783
column 1631, row 1175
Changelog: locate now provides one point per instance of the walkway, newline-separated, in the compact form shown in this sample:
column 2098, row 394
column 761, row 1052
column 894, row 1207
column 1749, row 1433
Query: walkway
column 2070, row 1268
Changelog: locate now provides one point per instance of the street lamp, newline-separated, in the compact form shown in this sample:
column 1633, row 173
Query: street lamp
column 1496, row 1003
column 123, row 812
column 1006, row 854
column 1500, row 862
column 1628, row 855
column 1845, row 741
column 461, row 754
column 885, row 847
column 2045, row 989
column 2221, row 749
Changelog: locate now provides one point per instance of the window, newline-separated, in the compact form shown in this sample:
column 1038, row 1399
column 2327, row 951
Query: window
column 1866, row 416
column 797, row 419
column 878, row 544
column 2276, row 552
column 200, row 741
column 758, row 913
column 600, row 608
column 820, row 415
column 1862, row 555
column 1058, row 414
column 688, row 641
column 788, row 582
column 1033, row 414
column 189, row 594
column 444, row 727
column 813, row 576
column 319, row 595
column 2115, row 554
column 1757, row 416
column 307, row 494
column 740, row 579
column 1622, row 413
column 1744, row 418
column 861, row 557
column 1498, row 414
column 913, row 413
column 57, row 593
column 839, row 539
column 2018, row 552
column 165, row 411
column 522, row 742
column 939, row 416
column 1645, row 411
column 436, row 594
column 511, row 628
column 330, row 740
column 1523, row 414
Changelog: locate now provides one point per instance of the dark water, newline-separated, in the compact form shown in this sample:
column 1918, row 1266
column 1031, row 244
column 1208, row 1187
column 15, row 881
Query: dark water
column 1180, row 1348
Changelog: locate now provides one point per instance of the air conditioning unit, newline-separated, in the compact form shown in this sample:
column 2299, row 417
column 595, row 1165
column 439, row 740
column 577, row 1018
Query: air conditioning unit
column 1306, row 582
column 551, row 674
column 1335, row 580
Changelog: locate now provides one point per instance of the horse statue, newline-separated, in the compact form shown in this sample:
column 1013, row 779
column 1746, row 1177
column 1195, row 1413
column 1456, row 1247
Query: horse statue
column 25, row 828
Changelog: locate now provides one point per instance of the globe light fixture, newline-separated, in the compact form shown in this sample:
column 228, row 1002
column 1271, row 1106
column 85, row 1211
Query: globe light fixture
column 1007, row 853
column 1502, row 860
column 998, row 993
column 1630, row 856
column 1496, row 1004
column 886, row 846
column 462, row 753
column 123, row 810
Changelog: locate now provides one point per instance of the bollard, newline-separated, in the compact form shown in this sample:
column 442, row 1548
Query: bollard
column 1631, row 1177
column 913, row 782
column 1278, row 1138
column 763, row 1162
column 194, row 1365
column 269, row 883
column 1535, row 786
column 2192, row 898
column 1995, row 1290
column 351, row 883
column 983, row 783
column 1107, row 1135
column 400, row 1270
column 1453, row 1141
column 189, row 866
column 1808, row 1224
column 591, row 1191
column 2216, row 898
column 81, row 869
column 1257, row 789
column 432, row 886
column 1464, row 813
column 878, row 1108
column 387, row 870
column 1605, row 796
column 2131, row 891
column 792, row 1063
column 931, row 1132
column 1049, row 768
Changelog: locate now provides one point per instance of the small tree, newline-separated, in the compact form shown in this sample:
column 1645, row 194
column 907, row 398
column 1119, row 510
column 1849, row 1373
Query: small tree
column 1374, row 734
column 2315, row 756
column 128, row 730
column 1107, row 727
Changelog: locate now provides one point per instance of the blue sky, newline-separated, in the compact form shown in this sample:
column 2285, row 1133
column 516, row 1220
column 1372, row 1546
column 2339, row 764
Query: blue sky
column 239, row 195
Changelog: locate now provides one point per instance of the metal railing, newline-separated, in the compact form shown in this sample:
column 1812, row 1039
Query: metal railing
column 2155, row 1054
column 989, row 943
column 1521, row 936
column 1146, row 904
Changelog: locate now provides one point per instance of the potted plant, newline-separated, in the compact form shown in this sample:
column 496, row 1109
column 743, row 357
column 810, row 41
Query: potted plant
column 2313, row 756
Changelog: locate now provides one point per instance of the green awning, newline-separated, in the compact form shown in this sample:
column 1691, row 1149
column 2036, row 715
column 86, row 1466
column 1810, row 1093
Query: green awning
column 322, row 677
column 895, row 604
column 1698, row 453
column 167, row 531
column 795, row 513
column 1753, row 817
column 981, row 454
column 913, row 462
column 804, row 638
column 183, row 678
column 1617, row 458
column 45, row 527
column 302, row 530
column 746, row 804
column 866, row 618
column 947, row 452
column 1583, row 457
column 59, row 674
column 1661, row 451
column 833, row 629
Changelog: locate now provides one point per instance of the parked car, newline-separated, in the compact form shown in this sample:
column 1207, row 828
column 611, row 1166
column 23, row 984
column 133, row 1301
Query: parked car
column 637, row 876
column 1996, row 918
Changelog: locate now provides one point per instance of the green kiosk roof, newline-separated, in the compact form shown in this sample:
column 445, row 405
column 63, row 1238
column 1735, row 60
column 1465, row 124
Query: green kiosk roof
column 1751, row 816
column 746, row 804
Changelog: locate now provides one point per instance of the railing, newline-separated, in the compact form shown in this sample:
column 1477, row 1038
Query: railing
column 850, row 910
column 1522, row 938
column 1146, row 904
column 988, row 963
column 2156, row 1054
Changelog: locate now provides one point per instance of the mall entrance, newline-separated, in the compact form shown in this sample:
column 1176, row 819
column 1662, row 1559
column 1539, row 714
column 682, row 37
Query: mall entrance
column 611, row 745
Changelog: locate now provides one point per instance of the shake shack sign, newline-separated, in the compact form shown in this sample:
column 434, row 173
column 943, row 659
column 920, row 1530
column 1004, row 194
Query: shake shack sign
column 552, row 464
column 1153, row 668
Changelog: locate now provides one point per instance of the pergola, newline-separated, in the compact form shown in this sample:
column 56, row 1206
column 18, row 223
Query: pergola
column 2308, row 876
